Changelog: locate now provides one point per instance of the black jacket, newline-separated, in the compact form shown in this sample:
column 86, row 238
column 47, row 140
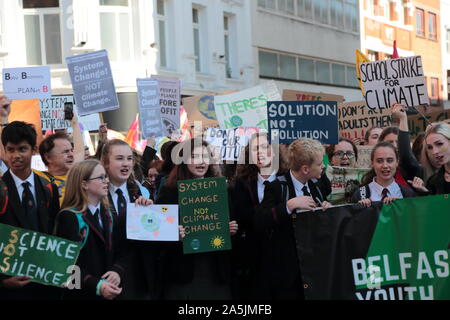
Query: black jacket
column 47, row 206
column 436, row 183
column 102, row 252
column 279, row 273
column 409, row 165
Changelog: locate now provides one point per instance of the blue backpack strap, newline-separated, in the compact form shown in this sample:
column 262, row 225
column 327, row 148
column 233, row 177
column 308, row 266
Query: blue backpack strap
column 83, row 227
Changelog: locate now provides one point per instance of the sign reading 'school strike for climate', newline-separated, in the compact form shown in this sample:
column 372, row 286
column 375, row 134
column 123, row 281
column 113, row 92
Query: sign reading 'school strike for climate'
column 43, row 258
column 290, row 120
column 394, row 81
column 204, row 214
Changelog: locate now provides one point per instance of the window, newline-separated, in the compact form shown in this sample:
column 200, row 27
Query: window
column 432, row 34
column 115, row 29
column 372, row 55
column 420, row 22
column 338, row 74
column 200, row 39
column 230, row 45
column 321, row 11
column 42, row 32
column 434, row 92
column 351, row 76
column 196, row 27
column 163, row 33
column 448, row 40
column 1, row 31
column 288, row 68
column 268, row 64
column 306, row 69
column 351, row 15
column 323, row 71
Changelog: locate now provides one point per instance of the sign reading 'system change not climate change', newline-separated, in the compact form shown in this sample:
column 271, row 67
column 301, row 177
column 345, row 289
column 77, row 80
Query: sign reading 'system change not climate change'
column 290, row 120
column 43, row 258
column 27, row 83
column 394, row 81
column 92, row 82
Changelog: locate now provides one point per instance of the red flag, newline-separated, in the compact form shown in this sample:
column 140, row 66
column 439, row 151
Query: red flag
column 132, row 137
column 395, row 53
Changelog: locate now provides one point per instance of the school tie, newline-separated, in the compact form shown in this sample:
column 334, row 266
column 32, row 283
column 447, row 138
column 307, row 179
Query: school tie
column 305, row 191
column 384, row 193
column 266, row 183
column 29, row 206
column 121, row 203
column 97, row 219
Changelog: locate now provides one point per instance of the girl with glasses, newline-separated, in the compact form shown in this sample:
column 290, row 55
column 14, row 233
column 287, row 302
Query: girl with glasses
column 86, row 218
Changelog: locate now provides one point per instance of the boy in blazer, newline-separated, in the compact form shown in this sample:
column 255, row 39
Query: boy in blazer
column 279, row 275
column 32, row 203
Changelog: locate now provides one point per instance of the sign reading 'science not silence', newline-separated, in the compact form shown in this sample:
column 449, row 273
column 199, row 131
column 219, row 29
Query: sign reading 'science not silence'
column 204, row 214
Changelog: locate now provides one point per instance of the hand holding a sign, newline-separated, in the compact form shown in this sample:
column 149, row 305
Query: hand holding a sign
column 142, row 201
column 233, row 227
column 109, row 291
column 399, row 111
column 182, row 232
column 5, row 108
column 365, row 202
column 302, row 202
column 16, row 282
column 103, row 132
column 112, row 277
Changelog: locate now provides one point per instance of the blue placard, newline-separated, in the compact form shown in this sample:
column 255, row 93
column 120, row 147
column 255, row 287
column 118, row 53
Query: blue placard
column 290, row 120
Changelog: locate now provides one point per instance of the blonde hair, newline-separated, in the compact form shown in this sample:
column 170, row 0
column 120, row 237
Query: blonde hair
column 304, row 151
column 441, row 128
column 75, row 196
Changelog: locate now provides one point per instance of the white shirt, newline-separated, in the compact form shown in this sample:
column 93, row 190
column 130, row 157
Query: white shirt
column 19, row 186
column 95, row 208
column 298, row 186
column 376, row 190
column 114, row 196
column 261, row 186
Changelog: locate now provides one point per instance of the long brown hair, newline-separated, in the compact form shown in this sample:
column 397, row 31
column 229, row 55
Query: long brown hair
column 181, row 171
column 75, row 197
column 248, row 170
column 368, row 177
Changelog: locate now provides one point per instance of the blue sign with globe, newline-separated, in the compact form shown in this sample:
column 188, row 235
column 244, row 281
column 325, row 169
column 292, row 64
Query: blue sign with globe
column 206, row 107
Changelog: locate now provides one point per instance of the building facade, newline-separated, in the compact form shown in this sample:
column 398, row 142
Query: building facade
column 445, row 45
column 308, row 45
column 205, row 43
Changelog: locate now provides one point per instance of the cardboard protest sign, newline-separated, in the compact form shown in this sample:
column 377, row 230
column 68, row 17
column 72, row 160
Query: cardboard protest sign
column 169, row 100
column 27, row 83
column 394, row 81
column 417, row 123
column 37, row 163
column 364, row 153
column 27, row 111
column 43, row 258
column 293, row 95
column 92, row 82
column 228, row 144
column 201, row 108
column 149, row 109
column 204, row 214
column 152, row 223
column 344, row 182
column 355, row 119
column 360, row 58
column 290, row 120
column 246, row 108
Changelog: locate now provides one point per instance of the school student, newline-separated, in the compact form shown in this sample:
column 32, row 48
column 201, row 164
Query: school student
column 343, row 154
column 200, row 276
column 118, row 161
column 261, row 164
column 86, row 218
column 32, row 203
column 371, row 136
column 280, row 276
column 379, row 184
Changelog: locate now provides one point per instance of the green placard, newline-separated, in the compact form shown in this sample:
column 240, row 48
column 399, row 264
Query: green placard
column 44, row 258
column 204, row 214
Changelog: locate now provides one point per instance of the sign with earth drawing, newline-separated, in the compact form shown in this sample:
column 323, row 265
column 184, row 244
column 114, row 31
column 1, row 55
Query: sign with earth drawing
column 204, row 214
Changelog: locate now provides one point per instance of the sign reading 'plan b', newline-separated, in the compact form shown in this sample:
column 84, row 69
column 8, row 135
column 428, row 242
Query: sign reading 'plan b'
column 394, row 81
column 92, row 82
column 290, row 120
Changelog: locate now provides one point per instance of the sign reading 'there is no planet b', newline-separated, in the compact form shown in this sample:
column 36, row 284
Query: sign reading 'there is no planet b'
column 290, row 120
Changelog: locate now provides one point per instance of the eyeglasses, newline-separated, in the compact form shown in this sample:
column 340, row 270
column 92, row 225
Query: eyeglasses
column 103, row 178
column 340, row 154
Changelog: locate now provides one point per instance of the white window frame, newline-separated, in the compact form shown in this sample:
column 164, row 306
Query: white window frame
column 164, row 19
column 40, row 12
column 231, row 67
column 201, row 27
column 2, row 41
column 117, row 10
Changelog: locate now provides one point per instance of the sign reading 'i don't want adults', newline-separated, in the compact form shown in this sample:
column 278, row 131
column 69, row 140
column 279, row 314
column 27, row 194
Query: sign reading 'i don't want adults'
column 290, row 120
column 392, row 81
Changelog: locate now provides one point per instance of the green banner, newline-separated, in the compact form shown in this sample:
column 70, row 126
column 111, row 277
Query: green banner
column 409, row 253
column 43, row 258
column 204, row 214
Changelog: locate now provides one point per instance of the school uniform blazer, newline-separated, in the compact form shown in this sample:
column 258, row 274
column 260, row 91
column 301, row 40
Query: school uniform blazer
column 47, row 203
column 178, row 267
column 101, row 252
column 280, row 267
column 436, row 183
column 406, row 192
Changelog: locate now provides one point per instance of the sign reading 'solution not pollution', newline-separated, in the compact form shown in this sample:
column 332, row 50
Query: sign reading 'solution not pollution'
column 43, row 258
column 149, row 110
column 392, row 81
column 27, row 83
column 92, row 82
column 355, row 119
column 290, row 120
column 169, row 100
column 204, row 214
